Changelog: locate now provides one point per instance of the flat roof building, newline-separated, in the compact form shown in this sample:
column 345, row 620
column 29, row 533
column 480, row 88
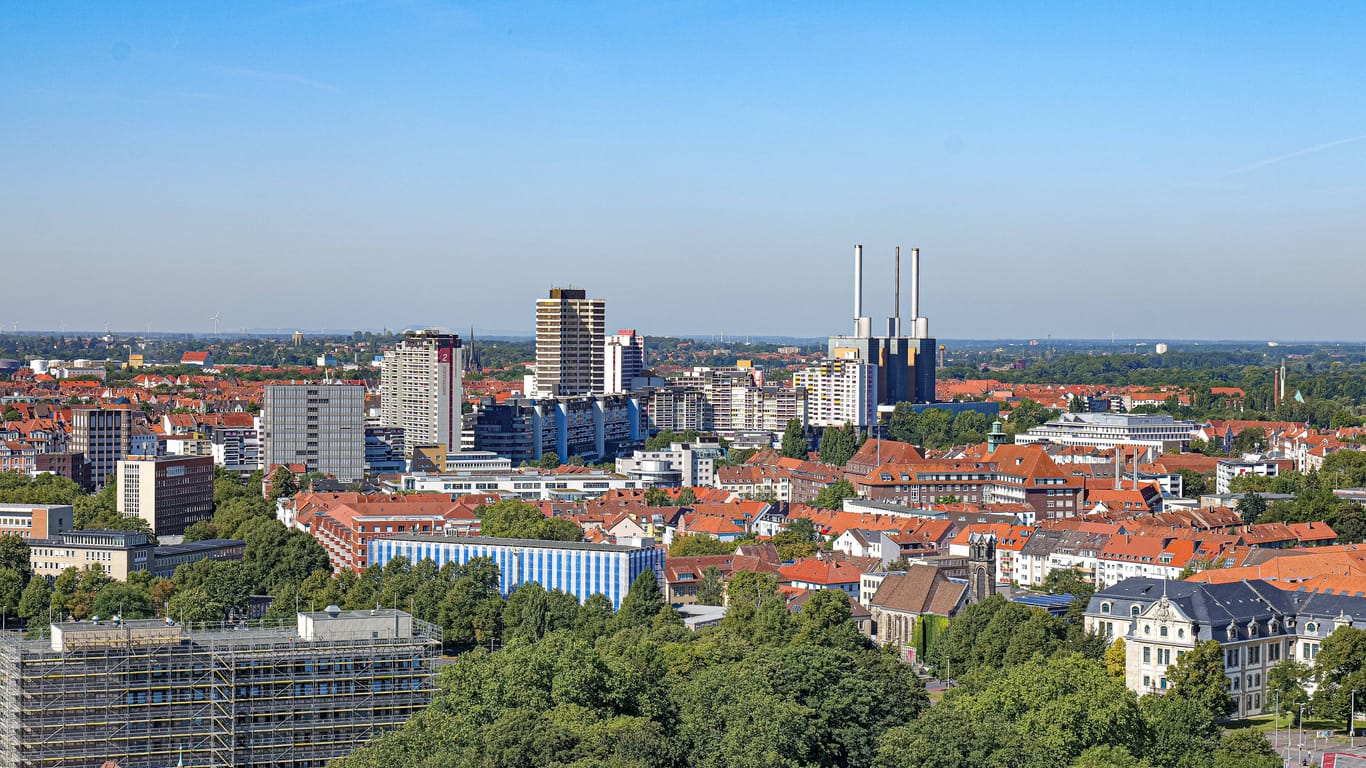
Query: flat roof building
column 147, row 693
column 577, row 568
column 171, row 493
column 1107, row 430
column 35, row 521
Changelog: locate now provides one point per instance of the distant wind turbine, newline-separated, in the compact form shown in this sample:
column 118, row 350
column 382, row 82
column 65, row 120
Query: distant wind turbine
column 215, row 318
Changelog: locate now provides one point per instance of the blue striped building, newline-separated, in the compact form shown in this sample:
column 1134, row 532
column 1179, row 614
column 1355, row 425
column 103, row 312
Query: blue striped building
column 579, row 569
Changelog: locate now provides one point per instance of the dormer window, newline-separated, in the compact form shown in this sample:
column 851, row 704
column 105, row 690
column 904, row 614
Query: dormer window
column 1105, row 607
column 1133, row 610
column 1311, row 627
column 1232, row 632
column 1252, row 629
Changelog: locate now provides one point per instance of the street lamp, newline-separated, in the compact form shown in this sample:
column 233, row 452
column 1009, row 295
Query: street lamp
column 1300, row 747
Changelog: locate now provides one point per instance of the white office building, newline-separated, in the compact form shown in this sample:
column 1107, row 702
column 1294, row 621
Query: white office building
column 1107, row 430
column 682, row 464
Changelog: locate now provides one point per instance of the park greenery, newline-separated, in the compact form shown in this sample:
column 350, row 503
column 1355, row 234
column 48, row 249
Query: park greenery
column 580, row 686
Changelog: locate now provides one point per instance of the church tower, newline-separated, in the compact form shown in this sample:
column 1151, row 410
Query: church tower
column 981, row 566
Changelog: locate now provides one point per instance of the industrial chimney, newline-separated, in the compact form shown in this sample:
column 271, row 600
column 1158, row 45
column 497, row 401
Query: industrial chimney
column 863, row 326
column 921, row 325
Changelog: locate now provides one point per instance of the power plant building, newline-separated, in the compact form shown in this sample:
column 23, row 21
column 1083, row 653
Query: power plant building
column 905, row 364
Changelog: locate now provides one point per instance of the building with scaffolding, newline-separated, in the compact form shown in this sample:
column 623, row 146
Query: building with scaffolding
column 149, row 693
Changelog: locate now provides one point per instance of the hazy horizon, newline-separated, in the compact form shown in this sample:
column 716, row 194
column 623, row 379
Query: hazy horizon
column 1148, row 172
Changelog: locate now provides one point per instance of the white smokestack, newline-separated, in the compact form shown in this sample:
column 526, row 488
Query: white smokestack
column 896, row 305
column 858, row 286
column 915, row 283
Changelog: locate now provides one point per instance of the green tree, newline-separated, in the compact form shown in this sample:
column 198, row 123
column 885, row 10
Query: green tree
column 643, row 600
column 904, row 424
column 1287, row 679
column 1199, row 676
column 1193, row 484
column 14, row 555
column 657, row 497
column 36, row 601
column 825, row 620
column 832, row 496
column 838, row 445
column 711, row 588
column 1180, row 732
column 1026, row 415
column 1340, row 668
column 1250, row 440
column 283, row 484
column 1251, row 507
column 797, row 539
column 686, row 498
column 695, row 544
column 1246, row 748
column 969, row 428
column 123, row 600
column 1039, row 714
column 794, row 445
column 515, row 519
column 1108, row 757
column 11, row 591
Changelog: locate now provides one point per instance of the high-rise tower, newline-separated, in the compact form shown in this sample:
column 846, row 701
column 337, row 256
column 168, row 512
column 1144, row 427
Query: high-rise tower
column 571, row 331
column 421, row 388
column 624, row 361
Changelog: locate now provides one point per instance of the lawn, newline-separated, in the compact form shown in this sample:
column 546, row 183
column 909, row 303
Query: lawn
column 1268, row 723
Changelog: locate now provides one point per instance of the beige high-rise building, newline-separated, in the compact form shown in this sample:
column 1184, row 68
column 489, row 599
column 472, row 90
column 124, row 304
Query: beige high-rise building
column 571, row 330
column 421, row 387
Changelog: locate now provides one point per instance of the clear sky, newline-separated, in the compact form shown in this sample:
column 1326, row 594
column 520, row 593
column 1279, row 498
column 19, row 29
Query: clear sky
column 1182, row 170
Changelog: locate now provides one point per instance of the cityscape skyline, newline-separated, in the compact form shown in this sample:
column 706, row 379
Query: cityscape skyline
column 1111, row 161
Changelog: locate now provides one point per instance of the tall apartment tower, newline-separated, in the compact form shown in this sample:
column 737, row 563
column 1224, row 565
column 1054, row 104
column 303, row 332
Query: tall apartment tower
column 624, row 360
column 421, row 388
column 105, row 436
column 839, row 392
column 571, row 330
column 321, row 426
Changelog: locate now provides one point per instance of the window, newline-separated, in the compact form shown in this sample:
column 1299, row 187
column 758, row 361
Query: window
column 1133, row 610
column 1147, row 654
column 1273, row 652
column 1162, row 631
column 1105, row 607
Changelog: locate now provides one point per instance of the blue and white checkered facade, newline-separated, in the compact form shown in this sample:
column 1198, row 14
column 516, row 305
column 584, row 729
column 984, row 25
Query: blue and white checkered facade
column 581, row 570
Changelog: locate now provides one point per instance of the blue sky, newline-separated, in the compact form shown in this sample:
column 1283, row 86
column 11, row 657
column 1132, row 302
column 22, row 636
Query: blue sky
column 1192, row 170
